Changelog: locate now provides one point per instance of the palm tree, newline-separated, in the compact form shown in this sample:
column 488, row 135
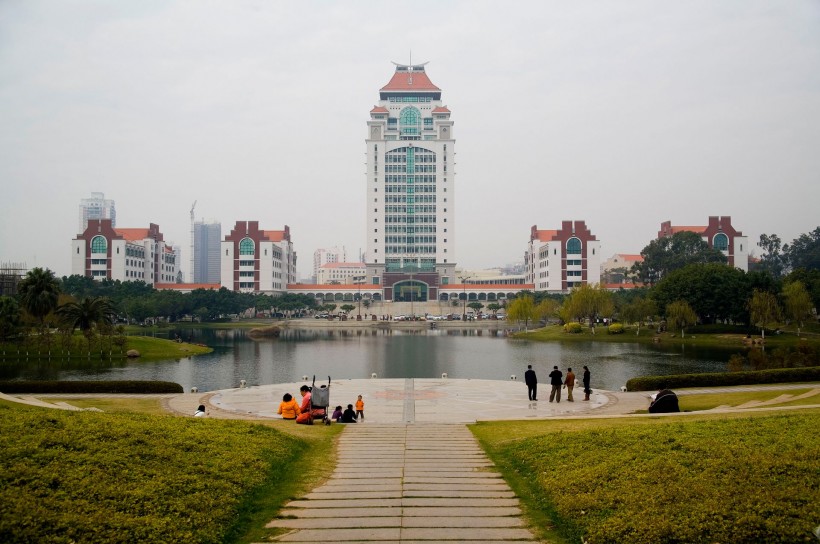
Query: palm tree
column 38, row 292
column 87, row 314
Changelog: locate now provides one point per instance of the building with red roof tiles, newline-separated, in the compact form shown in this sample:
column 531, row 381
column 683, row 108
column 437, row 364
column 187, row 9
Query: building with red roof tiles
column 718, row 234
column 126, row 254
column 410, row 189
column 558, row 260
column 257, row 261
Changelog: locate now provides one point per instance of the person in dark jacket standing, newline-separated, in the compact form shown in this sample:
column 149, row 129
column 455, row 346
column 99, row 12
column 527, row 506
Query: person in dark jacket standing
column 556, row 382
column 587, row 390
column 532, row 383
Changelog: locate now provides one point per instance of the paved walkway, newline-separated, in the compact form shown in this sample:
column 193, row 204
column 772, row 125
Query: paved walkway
column 407, row 483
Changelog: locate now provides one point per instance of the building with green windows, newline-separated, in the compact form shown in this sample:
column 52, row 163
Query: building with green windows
column 560, row 259
column 410, row 189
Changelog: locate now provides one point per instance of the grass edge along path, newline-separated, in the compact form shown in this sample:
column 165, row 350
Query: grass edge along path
column 91, row 477
column 709, row 478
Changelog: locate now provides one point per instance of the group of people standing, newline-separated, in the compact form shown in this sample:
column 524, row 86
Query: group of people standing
column 557, row 381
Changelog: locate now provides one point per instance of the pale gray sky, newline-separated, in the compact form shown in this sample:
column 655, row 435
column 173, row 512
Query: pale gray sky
column 624, row 114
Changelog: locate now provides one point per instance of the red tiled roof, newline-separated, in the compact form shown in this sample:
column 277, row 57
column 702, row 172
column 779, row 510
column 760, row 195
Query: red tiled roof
column 546, row 235
column 332, row 287
column 379, row 109
column 410, row 81
column 274, row 235
column 441, row 109
column 628, row 257
column 132, row 235
column 487, row 287
column 698, row 230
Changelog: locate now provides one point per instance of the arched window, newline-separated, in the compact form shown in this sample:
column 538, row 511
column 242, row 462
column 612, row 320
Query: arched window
column 409, row 121
column 721, row 242
column 99, row 244
column 573, row 246
column 246, row 247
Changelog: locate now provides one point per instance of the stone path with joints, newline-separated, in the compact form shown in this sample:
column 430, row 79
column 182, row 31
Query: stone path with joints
column 407, row 483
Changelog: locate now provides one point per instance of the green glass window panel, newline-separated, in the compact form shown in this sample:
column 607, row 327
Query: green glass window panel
column 246, row 247
column 99, row 244
column 573, row 246
column 410, row 121
column 721, row 242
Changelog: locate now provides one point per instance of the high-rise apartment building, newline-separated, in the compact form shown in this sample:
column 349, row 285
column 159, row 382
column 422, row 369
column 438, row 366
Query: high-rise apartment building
column 324, row 256
column 96, row 207
column 207, row 241
column 410, row 188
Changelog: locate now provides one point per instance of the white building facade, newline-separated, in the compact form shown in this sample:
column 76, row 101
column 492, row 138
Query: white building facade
column 718, row 234
column 257, row 261
column 343, row 273
column 410, row 188
column 558, row 260
column 127, row 254
column 324, row 256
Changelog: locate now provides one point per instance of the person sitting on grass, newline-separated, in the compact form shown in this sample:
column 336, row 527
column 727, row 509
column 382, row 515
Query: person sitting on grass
column 288, row 408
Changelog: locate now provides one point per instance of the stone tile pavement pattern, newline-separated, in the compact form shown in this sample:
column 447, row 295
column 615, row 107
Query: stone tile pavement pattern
column 407, row 483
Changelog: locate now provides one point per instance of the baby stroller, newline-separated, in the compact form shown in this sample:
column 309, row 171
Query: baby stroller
column 320, row 401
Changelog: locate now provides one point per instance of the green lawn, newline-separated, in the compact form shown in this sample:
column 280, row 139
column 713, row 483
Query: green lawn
column 131, row 477
column 730, row 478
column 707, row 401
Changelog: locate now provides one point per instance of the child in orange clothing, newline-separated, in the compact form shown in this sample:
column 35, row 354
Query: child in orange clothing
column 360, row 408
column 289, row 408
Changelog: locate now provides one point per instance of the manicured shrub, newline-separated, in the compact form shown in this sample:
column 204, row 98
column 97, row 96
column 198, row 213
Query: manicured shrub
column 133, row 386
column 616, row 328
column 574, row 328
column 717, row 379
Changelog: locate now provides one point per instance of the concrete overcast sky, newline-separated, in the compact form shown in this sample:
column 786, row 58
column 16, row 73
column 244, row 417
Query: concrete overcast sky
column 624, row 114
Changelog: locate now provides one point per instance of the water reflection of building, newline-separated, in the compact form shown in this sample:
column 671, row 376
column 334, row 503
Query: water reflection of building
column 410, row 189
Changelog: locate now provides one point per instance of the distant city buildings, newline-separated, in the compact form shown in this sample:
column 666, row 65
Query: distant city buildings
column 10, row 275
column 719, row 234
column 207, row 260
column 125, row 254
column 322, row 256
column 342, row 273
column 558, row 260
column 96, row 207
column 257, row 261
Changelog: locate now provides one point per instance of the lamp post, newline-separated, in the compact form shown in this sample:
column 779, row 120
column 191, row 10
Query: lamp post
column 358, row 280
column 464, row 288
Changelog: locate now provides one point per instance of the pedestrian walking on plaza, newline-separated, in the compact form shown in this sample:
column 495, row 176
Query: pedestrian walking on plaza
column 556, row 382
column 532, row 383
column 569, row 383
column 587, row 390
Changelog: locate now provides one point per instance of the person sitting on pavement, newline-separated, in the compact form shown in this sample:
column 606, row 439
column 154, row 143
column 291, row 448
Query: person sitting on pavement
column 200, row 412
column 349, row 415
column 665, row 402
column 337, row 414
column 305, row 417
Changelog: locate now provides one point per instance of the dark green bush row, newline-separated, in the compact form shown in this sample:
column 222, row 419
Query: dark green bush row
column 722, row 328
column 716, row 379
column 89, row 387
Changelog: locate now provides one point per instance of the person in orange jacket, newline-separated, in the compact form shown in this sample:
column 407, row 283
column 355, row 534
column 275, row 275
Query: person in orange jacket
column 288, row 408
column 360, row 408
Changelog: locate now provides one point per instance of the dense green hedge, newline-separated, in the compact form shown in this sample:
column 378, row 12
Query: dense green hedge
column 616, row 328
column 717, row 379
column 121, row 478
column 573, row 328
column 133, row 386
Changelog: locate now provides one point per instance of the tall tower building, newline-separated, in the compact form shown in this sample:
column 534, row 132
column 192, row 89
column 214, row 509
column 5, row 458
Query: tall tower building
column 410, row 188
column 96, row 207
column 207, row 241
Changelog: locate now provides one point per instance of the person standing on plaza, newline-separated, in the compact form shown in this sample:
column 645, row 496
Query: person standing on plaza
column 360, row 408
column 532, row 383
column 556, row 382
column 569, row 383
column 587, row 390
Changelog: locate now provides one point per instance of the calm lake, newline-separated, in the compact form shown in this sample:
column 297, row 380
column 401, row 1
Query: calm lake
column 358, row 353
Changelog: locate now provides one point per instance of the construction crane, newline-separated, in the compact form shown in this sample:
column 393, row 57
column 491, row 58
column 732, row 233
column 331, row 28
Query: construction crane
column 192, row 242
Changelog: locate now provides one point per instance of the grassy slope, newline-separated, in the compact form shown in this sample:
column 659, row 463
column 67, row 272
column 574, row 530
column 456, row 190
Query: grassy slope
column 91, row 477
column 159, row 348
column 735, row 478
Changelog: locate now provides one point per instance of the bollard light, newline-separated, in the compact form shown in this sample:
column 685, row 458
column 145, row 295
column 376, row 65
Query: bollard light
column 195, row 390
column 443, row 375
column 242, row 384
column 373, row 376
column 513, row 377
column 305, row 378
column 623, row 389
